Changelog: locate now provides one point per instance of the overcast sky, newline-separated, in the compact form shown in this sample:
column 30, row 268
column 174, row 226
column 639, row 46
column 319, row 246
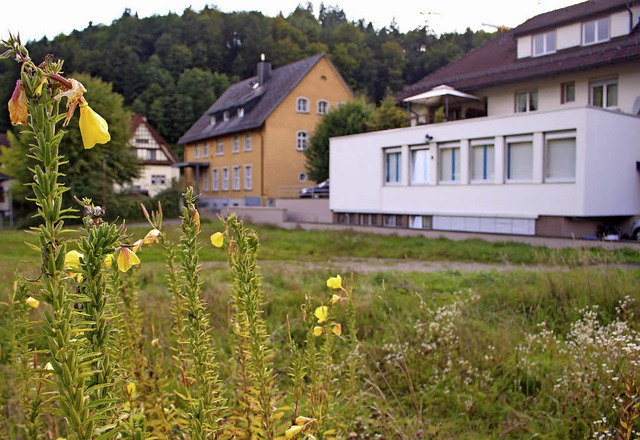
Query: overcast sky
column 34, row 19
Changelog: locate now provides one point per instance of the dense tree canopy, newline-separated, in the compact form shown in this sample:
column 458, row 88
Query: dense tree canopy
column 171, row 68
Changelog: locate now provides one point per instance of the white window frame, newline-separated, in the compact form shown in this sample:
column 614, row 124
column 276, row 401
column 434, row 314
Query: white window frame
column 248, row 142
column 205, row 149
column 544, row 44
column 389, row 220
column 419, row 171
column 235, row 178
column 513, row 146
column 248, row 177
column 196, row 151
column 225, row 178
column 215, row 177
column 606, row 85
column 323, row 107
column 220, row 147
column 302, row 105
column 240, row 112
column 568, row 92
column 454, row 166
column 225, row 115
column 601, row 31
column 236, row 144
column 302, row 140
column 395, row 177
column 530, row 97
column 549, row 139
column 488, row 160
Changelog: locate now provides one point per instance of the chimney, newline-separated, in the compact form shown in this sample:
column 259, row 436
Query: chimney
column 264, row 70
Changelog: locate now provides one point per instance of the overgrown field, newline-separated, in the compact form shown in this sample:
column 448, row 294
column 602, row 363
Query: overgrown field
column 548, row 350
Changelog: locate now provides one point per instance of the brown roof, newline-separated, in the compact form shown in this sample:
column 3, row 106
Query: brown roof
column 496, row 62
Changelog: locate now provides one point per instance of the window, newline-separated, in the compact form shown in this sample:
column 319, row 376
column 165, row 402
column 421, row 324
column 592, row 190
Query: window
column 225, row 179
column 240, row 112
column 302, row 140
column 420, row 166
column 368, row 219
column 225, row 115
column 392, row 166
column 302, row 177
column 604, row 93
column 568, row 92
column 205, row 149
column 236, row 144
column 196, row 151
column 247, row 142
column 214, row 179
column 151, row 155
column 527, row 101
column 390, row 220
column 205, row 187
column 420, row 222
column 544, row 44
column 344, row 218
column 236, row 178
column 449, row 163
column 323, row 107
column 520, row 160
column 212, row 120
column 595, row 31
column 158, row 179
column 220, row 148
column 248, row 177
column 482, row 155
column 560, row 158
column 302, row 105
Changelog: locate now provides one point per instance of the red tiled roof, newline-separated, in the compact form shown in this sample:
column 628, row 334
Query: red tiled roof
column 496, row 62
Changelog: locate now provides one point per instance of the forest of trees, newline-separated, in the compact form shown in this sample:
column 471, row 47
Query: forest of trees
column 172, row 68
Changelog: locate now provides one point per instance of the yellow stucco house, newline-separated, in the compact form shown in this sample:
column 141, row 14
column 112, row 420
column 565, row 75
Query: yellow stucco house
column 247, row 149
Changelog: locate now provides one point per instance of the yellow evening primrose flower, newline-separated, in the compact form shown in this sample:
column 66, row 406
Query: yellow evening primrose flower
column 93, row 128
column 108, row 261
column 301, row 420
column 334, row 282
column 18, row 112
column 318, row 330
column 126, row 259
column 337, row 329
column 72, row 260
column 293, row 431
column 137, row 245
column 131, row 390
column 151, row 237
column 32, row 302
column 336, row 298
column 322, row 313
column 217, row 239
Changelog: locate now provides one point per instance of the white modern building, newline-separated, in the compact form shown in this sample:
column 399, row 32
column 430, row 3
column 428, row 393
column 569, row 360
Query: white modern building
column 535, row 133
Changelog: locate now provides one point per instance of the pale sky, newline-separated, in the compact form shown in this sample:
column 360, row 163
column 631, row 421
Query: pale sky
column 33, row 19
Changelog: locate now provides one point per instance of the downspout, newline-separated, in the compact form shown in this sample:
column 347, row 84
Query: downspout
column 262, row 195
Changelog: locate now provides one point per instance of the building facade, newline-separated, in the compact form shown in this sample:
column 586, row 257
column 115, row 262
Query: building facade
column 247, row 149
column 540, row 135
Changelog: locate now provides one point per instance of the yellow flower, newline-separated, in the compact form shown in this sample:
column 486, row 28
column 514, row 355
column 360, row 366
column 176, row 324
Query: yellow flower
column 72, row 260
column 18, row 112
column 318, row 330
column 93, row 128
column 108, row 261
column 32, row 302
column 334, row 282
column 131, row 390
column 337, row 329
column 217, row 239
column 74, row 91
column 293, row 431
column 151, row 237
column 336, row 299
column 126, row 259
column 322, row 313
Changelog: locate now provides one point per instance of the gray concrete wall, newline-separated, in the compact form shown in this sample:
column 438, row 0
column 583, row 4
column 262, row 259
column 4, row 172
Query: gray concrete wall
column 306, row 210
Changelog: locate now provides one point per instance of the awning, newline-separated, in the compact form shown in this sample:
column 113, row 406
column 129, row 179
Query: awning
column 441, row 95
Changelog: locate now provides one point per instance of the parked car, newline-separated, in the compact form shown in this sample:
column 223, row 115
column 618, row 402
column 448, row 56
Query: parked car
column 635, row 229
column 321, row 190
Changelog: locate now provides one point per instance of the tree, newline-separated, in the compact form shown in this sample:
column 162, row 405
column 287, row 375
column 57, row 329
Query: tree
column 387, row 116
column 89, row 173
column 350, row 118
